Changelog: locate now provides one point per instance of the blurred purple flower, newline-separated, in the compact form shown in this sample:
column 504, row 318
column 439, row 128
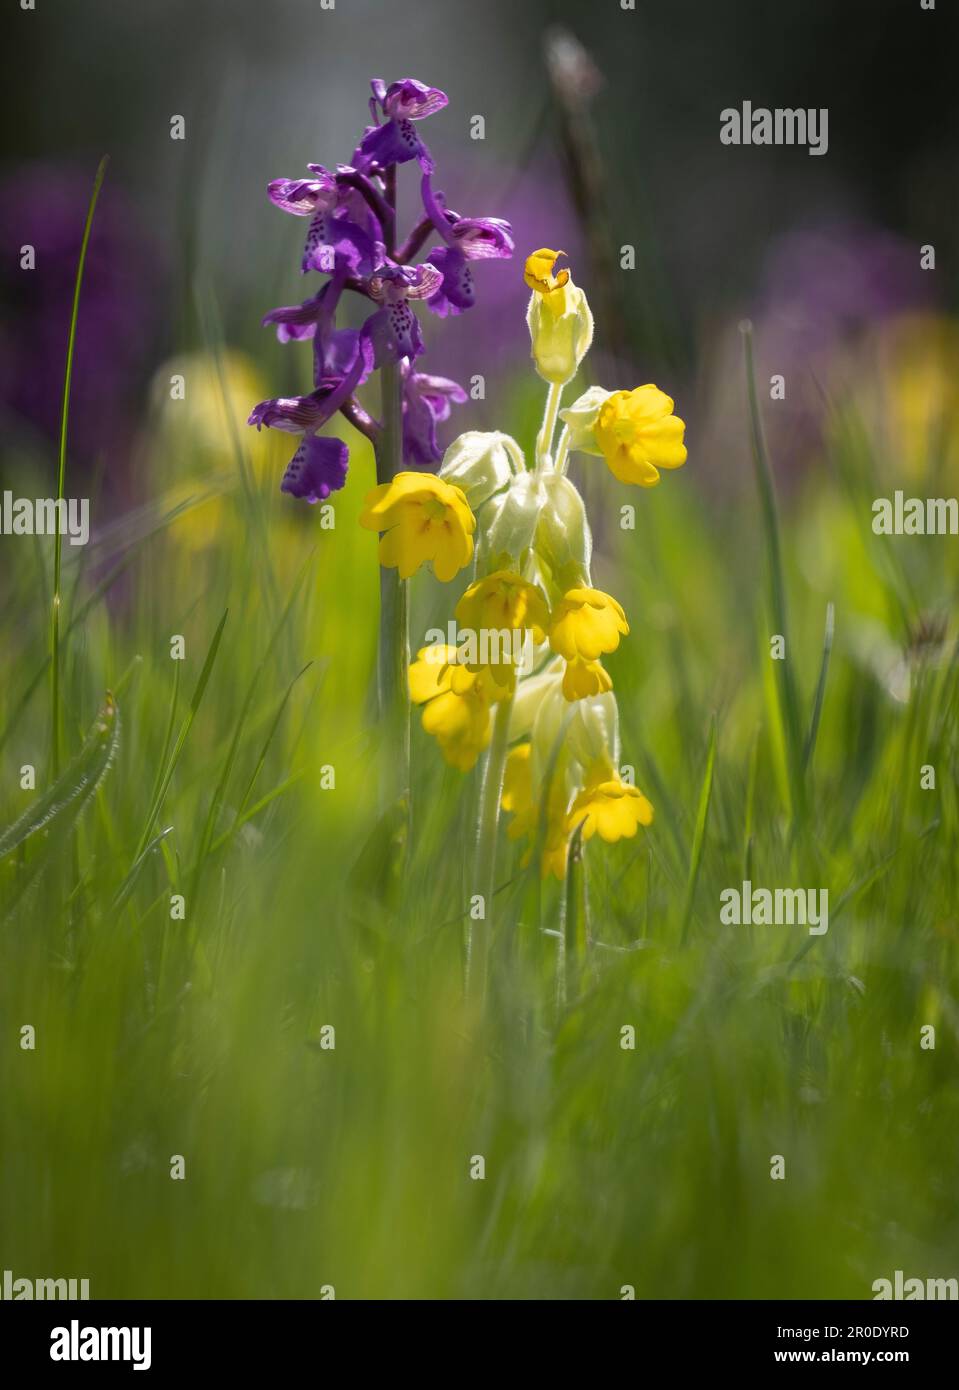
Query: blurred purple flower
column 822, row 288
column 45, row 207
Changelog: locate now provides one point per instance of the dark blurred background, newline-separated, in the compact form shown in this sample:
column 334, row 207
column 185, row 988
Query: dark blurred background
column 588, row 149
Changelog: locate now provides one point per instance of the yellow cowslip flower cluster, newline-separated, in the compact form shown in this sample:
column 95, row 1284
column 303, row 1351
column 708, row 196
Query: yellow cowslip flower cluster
column 531, row 630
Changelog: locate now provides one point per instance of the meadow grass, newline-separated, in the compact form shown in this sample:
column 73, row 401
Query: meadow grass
column 350, row 1167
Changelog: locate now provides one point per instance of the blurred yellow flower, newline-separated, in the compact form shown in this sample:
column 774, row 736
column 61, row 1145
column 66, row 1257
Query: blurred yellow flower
column 518, row 800
column 638, row 434
column 610, row 806
column 457, row 704
column 585, row 623
column 517, row 796
column 920, row 389
column 423, row 520
column 581, row 679
column 200, row 404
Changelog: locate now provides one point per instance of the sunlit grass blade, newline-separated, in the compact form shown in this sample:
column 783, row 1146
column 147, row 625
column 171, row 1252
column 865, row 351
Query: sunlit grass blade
column 76, row 784
column 174, row 757
column 62, row 473
column 777, row 584
column 219, row 793
column 820, row 686
column 699, row 834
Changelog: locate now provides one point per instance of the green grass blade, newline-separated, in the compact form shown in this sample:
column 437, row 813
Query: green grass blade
column 167, row 774
column 62, row 473
column 76, row 784
column 777, row 583
column 699, row 835
column 820, row 686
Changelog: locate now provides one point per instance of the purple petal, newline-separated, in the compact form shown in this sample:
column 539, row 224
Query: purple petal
column 316, row 469
column 425, row 282
column 331, row 239
column 412, row 100
column 426, row 400
column 456, row 292
column 291, row 413
column 303, row 196
column 335, row 355
column 396, row 142
column 483, row 238
column 440, row 393
column 296, row 321
column 394, row 333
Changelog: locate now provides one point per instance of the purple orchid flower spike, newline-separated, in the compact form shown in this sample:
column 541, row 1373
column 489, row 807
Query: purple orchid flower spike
column 426, row 401
column 465, row 239
column 352, row 238
column 397, row 140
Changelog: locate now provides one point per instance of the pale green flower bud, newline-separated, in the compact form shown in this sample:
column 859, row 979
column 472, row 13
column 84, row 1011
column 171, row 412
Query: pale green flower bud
column 530, row 694
column 481, row 463
column 508, row 524
column 563, row 540
column 594, row 731
column 548, row 725
column 560, row 330
column 580, row 418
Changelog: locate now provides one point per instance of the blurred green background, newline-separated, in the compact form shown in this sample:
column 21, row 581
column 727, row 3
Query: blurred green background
column 308, row 1166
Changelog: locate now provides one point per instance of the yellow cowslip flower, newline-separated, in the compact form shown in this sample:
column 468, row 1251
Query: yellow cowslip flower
column 581, row 679
column 538, row 271
column 504, row 600
column 610, row 806
column 638, row 434
column 422, row 519
column 585, row 623
column 491, row 611
column 555, row 855
column 461, row 726
column 517, row 797
column 456, row 704
column 559, row 318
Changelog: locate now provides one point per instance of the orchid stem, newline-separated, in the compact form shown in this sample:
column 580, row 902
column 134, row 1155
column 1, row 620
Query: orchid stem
column 393, row 655
column 394, row 641
column 491, row 791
